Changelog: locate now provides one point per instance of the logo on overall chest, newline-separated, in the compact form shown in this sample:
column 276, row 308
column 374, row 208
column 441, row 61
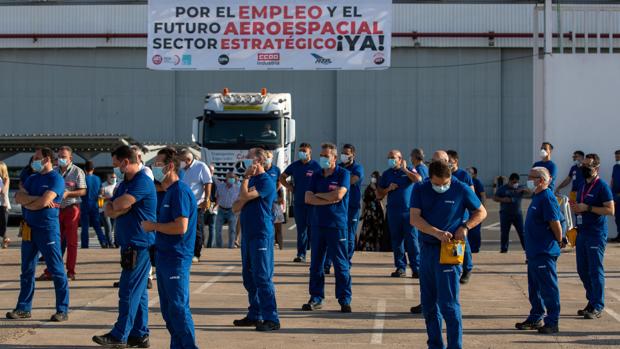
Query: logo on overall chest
column 332, row 186
column 309, row 173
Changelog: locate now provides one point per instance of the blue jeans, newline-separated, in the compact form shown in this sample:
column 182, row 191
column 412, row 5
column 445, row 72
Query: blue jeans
column 331, row 242
column 404, row 239
column 223, row 216
column 590, row 254
column 108, row 226
column 439, row 293
column 543, row 290
column 89, row 216
column 257, row 262
column 48, row 243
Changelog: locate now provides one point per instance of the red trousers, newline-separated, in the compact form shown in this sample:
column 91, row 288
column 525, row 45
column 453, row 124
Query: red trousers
column 69, row 221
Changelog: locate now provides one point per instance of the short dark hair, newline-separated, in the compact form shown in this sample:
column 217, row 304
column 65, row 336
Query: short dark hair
column 453, row 154
column 580, row 153
column 349, row 146
column 439, row 169
column 549, row 144
column 89, row 166
column 617, row 152
column 514, row 176
column 170, row 156
column 305, row 145
column 475, row 170
column 418, row 154
column 125, row 152
column 596, row 160
column 46, row 152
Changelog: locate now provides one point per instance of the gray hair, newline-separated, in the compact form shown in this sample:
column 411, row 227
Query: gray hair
column 543, row 173
column 186, row 152
column 331, row 147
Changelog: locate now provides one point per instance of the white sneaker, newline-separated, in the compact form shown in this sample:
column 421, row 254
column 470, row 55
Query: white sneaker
column 195, row 260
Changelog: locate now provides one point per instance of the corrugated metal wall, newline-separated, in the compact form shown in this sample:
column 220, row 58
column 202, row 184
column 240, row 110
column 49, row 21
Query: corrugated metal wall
column 482, row 110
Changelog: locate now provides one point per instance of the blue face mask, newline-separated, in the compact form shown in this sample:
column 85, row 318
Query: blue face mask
column 268, row 162
column 302, row 155
column 37, row 166
column 119, row 175
column 391, row 163
column 440, row 189
column 324, row 162
column 248, row 163
column 230, row 180
column 158, row 173
column 63, row 162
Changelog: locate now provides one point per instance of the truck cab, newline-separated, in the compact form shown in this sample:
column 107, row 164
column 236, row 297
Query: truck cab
column 233, row 123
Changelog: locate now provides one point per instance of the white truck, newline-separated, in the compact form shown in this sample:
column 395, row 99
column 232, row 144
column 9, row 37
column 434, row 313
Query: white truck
column 233, row 123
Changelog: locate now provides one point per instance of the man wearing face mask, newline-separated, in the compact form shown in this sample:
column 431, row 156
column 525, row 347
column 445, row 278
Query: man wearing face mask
column 437, row 209
column 474, row 237
column 75, row 188
column 509, row 197
column 174, row 243
column 301, row 171
column 348, row 162
column 256, row 197
column 199, row 178
column 465, row 177
column 543, row 239
column 574, row 175
column 594, row 203
column 615, row 190
column 328, row 193
column 40, row 198
column 107, row 191
column 89, row 208
column 226, row 193
column 134, row 201
column 545, row 161
column 396, row 183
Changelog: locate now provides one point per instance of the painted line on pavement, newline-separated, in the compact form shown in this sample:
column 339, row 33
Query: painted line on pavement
column 409, row 291
column 213, row 280
column 377, row 336
column 5, row 284
column 292, row 227
column 613, row 314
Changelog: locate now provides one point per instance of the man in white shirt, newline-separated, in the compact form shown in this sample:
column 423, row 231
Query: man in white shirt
column 198, row 178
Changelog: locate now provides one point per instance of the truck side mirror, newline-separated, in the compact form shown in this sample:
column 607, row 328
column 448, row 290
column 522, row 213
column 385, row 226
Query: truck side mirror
column 290, row 131
column 197, row 130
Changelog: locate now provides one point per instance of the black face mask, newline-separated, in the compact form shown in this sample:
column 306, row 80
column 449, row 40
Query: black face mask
column 587, row 172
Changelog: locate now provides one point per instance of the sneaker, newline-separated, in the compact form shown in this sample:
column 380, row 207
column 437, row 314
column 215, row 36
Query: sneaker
column 299, row 259
column 465, row 277
column 345, row 308
column 417, row 309
column 312, row 305
column 582, row 312
column 195, row 259
column 116, row 284
column 18, row 314
column 108, row 341
column 44, row 277
column 245, row 322
column 138, row 342
column 593, row 314
column 327, row 271
column 549, row 329
column 398, row 273
column 6, row 242
column 415, row 275
column 528, row 325
column 59, row 317
column 266, row 326
column 149, row 285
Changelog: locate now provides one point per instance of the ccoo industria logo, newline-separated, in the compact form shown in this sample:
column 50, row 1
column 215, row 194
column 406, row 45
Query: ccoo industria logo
column 321, row 60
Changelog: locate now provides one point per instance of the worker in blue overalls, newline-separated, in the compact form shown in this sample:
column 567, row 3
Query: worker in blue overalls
column 40, row 198
column 543, row 239
column 348, row 162
column 463, row 176
column 174, row 248
column 594, row 203
column 134, row 201
column 328, row 194
column 475, row 235
column 396, row 183
column 437, row 209
column 255, row 202
column 301, row 171
column 615, row 190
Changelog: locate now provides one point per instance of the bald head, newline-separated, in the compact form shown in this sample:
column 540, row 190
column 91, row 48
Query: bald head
column 395, row 158
column 440, row 155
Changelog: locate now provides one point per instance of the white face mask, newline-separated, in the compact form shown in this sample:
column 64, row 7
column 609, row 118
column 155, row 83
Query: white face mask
column 373, row 180
column 344, row 158
column 543, row 153
column 183, row 164
column 531, row 185
column 515, row 186
column 618, row 162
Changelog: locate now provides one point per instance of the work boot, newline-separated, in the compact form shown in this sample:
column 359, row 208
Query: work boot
column 465, row 277
column 267, row 326
column 528, row 325
column 415, row 275
column 345, row 308
column 398, row 273
column 44, row 277
column 582, row 312
column 299, row 259
column 116, row 284
column 311, row 305
column 548, row 329
column 138, row 342
column 245, row 322
column 59, row 317
column 108, row 341
column 149, row 284
column 18, row 314
column 327, row 270
column 592, row 314
column 416, row 309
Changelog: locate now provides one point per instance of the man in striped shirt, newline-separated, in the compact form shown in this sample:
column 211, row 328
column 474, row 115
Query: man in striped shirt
column 226, row 194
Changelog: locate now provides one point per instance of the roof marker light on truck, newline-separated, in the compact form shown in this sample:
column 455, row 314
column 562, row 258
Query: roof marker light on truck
column 263, row 91
column 225, row 91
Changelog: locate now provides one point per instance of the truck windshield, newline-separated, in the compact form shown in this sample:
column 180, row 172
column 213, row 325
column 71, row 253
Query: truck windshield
column 242, row 132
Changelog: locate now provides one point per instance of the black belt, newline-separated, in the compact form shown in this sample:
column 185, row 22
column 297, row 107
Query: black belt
column 226, row 208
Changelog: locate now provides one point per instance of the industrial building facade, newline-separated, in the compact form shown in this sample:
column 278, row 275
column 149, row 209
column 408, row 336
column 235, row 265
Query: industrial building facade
column 461, row 78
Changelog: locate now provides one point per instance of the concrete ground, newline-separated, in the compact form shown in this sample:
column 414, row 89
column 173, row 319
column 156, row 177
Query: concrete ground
column 492, row 302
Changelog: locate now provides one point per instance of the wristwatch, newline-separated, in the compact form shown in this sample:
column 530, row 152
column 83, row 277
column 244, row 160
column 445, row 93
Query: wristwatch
column 466, row 227
column 589, row 208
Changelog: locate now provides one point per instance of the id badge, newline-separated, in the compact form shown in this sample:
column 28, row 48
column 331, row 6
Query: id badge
column 579, row 219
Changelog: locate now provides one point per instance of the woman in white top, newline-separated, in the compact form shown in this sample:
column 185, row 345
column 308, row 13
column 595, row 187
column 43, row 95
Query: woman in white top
column 5, row 204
